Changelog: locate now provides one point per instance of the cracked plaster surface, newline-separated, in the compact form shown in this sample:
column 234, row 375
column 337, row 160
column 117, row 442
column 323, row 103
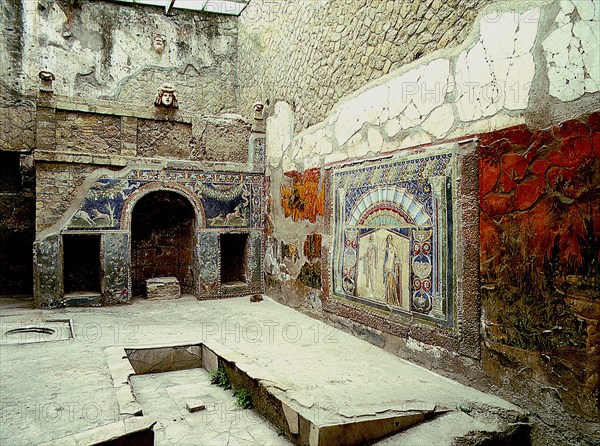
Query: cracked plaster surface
column 572, row 50
column 480, row 86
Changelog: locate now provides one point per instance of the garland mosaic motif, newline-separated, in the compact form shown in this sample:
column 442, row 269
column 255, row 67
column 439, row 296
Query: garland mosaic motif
column 392, row 237
column 229, row 199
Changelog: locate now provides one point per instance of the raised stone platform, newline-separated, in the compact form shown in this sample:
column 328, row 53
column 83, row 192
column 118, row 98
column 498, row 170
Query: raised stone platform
column 163, row 288
column 315, row 384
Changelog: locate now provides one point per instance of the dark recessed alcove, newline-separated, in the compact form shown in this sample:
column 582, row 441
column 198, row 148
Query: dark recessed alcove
column 10, row 172
column 233, row 258
column 162, row 240
column 81, row 263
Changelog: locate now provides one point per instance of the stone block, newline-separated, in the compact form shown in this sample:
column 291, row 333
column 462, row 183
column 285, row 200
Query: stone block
column 163, row 288
column 195, row 405
column 210, row 361
column 292, row 418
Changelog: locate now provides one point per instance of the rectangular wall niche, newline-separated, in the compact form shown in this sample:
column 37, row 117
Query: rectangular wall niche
column 10, row 173
column 81, row 263
column 234, row 263
column 393, row 236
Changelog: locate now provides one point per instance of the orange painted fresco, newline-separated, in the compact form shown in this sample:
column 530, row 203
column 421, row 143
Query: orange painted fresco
column 304, row 199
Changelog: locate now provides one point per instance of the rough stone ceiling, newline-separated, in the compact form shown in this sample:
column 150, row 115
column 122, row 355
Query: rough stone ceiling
column 229, row 7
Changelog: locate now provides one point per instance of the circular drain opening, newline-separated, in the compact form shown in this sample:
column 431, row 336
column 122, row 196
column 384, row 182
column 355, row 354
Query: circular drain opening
column 35, row 330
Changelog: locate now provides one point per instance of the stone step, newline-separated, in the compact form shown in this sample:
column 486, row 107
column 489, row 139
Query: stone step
column 458, row 428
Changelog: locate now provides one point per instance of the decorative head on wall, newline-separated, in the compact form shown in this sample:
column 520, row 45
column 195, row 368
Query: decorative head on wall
column 158, row 43
column 259, row 111
column 166, row 96
column 46, row 79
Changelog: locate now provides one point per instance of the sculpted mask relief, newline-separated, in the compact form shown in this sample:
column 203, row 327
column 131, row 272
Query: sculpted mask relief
column 166, row 96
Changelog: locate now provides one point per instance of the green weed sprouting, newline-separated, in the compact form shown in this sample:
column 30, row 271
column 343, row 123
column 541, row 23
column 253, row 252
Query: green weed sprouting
column 242, row 399
column 220, row 378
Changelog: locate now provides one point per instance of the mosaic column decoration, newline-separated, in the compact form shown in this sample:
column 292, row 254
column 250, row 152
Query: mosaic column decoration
column 208, row 261
column 48, row 272
column 254, row 262
column 115, row 286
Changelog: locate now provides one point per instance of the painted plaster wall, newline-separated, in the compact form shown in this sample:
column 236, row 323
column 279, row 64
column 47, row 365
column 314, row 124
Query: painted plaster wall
column 104, row 50
column 312, row 53
column 540, row 280
column 512, row 95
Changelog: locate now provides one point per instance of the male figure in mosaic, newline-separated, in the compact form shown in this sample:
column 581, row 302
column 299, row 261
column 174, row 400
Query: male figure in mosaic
column 370, row 262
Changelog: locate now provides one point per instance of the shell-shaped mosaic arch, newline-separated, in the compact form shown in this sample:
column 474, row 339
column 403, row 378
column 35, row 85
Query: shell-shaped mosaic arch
column 388, row 206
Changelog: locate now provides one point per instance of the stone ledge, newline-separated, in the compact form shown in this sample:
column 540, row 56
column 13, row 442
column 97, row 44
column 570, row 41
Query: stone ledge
column 135, row 430
column 125, row 159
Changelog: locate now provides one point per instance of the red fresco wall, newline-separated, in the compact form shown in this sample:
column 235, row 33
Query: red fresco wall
column 540, row 253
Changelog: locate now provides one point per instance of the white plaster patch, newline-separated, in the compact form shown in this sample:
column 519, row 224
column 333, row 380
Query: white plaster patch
column 375, row 139
column 280, row 132
column 401, row 91
column 324, row 146
column 313, row 161
column 335, row 157
column 585, row 9
column 494, row 68
column 415, row 139
column 499, row 121
column 392, row 127
column 440, row 121
column 573, row 52
column 567, row 6
column 368, row 107
column 589, row 36
column 431, row 86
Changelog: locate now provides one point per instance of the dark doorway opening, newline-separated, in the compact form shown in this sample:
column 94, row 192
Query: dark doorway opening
column 81, row 263
column 162, row 240
column 233, row 258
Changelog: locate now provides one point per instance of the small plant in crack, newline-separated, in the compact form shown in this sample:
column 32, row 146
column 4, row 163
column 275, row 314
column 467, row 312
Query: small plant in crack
column 464, row 409
column 220, row 378
column 242, row 399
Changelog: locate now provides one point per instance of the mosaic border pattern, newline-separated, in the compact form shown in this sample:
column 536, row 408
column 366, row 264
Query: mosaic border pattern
column 225, row 200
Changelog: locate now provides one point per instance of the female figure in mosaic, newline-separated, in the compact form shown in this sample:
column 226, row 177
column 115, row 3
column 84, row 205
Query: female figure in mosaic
column 392, row 273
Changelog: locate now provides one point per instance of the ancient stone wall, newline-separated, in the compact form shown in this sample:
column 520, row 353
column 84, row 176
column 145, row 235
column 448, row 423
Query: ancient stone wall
column 521, row 183
column 17, row 212
column 17, row 139
column 312, row 53
column 56, row 187
column 105, row 50
column 72, row 142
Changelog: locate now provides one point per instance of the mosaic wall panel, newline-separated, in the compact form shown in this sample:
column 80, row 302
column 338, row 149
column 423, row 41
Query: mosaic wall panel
column 229, row 200
column 257, row 150
column 392, row 236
